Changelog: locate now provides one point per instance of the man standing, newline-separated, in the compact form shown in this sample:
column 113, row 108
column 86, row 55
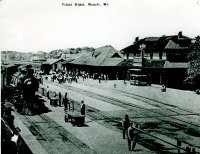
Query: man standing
column 131, row 137
column 47, row 92
column 65, row 102
column 82, row 108
column 99, row 78
column 59, row 98
column 125, row 125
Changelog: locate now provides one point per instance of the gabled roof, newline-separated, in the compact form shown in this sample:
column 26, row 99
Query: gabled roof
column 103, row 56
column 126, row 63
column 134, row 47
column 67, row 61
column 151, row 39
column 106, row 56
column 83, row 60
column 111, row 61
column 172, row 45
column 160, row 43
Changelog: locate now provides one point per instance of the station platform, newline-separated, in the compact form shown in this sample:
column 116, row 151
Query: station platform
column 100, row 139
column 110, row 141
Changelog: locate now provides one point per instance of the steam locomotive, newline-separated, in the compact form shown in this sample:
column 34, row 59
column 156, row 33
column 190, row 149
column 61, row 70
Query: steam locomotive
column 23, row 89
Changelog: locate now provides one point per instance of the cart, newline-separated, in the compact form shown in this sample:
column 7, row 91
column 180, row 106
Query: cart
column 53, row 101
column 75, row 118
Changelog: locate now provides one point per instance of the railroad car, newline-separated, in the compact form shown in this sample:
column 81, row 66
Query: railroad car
column 22, row 91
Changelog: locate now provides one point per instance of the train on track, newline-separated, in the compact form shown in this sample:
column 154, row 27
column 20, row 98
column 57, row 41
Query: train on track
column 18, row 93
column 21, row 92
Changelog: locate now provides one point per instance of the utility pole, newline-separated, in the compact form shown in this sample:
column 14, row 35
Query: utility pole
column 142, row 47
column 5, row 57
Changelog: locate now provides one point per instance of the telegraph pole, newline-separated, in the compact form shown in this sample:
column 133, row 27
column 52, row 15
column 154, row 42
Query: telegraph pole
column 142, row 47
column 5, row 57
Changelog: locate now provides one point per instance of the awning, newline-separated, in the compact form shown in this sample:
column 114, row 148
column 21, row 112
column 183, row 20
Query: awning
column 175, row 65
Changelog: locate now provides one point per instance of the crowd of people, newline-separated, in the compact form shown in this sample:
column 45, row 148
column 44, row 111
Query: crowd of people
column 68, row 76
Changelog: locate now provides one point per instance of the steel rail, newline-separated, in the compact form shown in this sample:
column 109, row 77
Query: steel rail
column 32, row 124
column 44, row 117
column 129, row 104
column 133, row 105
column 159, row 102
column 48, row 121
column 142, row 131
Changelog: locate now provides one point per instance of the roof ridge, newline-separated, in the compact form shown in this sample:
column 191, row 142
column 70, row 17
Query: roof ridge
column 106, row 55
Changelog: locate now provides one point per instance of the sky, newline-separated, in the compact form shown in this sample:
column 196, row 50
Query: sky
column 46, row 25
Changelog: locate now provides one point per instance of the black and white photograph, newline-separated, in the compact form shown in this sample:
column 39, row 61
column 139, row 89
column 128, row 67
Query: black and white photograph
column 100, row 76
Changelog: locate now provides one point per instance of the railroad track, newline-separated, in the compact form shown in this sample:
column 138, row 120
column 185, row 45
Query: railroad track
column 127, row 105
column 54, row 138
column 147, row 100
column 146, row 137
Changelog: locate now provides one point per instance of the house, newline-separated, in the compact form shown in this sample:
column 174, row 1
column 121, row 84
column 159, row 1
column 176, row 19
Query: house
column 104, row 60
column 52, row 65
column 159, row 57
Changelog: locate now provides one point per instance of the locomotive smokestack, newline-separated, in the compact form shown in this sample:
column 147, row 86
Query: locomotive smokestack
column 180, row 35
column 136, row 39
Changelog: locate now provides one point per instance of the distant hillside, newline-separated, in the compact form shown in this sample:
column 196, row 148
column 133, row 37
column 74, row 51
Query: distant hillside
column 58, row 53
column 7, row 56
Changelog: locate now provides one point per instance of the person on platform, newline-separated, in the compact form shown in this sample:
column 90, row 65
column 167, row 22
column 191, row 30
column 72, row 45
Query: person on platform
column 163, row 89
column 59, row 98
column 131, row 137
column 82, row 108
column 48, row 92
column 125, row 125
column 66, row 102
column 99, row 78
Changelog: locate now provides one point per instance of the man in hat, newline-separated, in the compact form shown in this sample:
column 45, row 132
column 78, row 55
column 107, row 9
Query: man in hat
column 47, row 93
column 131, row 137
column 82, row 108
column 66, row 102
column 125, row 125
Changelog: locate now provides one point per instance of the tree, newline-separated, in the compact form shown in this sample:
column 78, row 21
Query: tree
column 78, row 50
column 56, row 53
column 194, row 63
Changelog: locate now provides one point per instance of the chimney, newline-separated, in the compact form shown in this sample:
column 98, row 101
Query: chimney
column 180, row 34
